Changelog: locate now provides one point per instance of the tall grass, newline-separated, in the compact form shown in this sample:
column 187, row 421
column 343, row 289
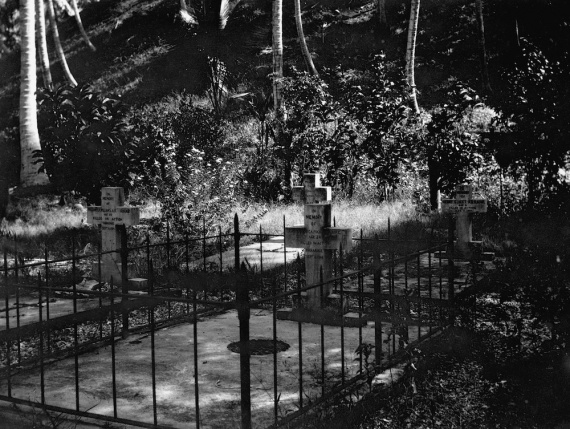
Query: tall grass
column 371, row 218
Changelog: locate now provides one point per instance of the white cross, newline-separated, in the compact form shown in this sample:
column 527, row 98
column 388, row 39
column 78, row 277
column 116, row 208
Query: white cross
column 111, row 214
column 319, row 239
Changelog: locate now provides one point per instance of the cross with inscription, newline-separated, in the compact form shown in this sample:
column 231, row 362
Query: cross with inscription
column 111, row 215
column 317, row 236
column 462, row 206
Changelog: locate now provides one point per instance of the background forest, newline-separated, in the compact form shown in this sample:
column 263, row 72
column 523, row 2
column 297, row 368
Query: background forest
column 173, row 106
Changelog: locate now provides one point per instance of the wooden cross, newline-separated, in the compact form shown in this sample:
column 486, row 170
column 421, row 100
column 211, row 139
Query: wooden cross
column 319, row 239
column 111, row 215
column 462, row 206
column 311, row 192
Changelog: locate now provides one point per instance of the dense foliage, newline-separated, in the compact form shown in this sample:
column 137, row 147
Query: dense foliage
column 84, row 140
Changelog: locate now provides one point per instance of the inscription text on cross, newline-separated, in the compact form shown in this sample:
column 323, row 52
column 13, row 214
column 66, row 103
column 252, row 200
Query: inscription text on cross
column 111, row 215
column 319, row 239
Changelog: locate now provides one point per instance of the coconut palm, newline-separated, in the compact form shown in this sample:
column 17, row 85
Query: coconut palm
column 57, row 43
column 277, row 25
column 42, row 43
column 80, row 25
column 29, row 136
column 483, row 51
column 411, row 53
column 302, row 41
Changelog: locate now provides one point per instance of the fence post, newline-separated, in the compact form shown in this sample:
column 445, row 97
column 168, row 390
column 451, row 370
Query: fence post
column 450, row 270
column 242, row 305
column 377, row 301
column 236, row 242
column 124, row 280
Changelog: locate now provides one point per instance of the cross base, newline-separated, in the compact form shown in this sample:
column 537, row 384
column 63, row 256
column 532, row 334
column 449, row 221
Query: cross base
column 323, row 316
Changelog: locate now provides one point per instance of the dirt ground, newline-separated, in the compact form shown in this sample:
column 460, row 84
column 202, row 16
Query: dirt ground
column 218, row 373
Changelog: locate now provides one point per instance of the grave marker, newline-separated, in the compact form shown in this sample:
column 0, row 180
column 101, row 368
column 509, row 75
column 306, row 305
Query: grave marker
column 462, row 206
column 317, row 236
column 111, row 215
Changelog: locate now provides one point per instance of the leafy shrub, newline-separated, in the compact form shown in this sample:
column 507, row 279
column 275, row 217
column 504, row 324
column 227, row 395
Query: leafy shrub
column 84, row 145
column 183, row 162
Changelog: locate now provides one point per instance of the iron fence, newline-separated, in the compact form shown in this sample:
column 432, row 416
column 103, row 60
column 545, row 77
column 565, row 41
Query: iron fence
column 389, row 285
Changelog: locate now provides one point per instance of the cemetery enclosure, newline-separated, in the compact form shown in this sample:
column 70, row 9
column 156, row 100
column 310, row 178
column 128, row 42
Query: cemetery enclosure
column 50, row 313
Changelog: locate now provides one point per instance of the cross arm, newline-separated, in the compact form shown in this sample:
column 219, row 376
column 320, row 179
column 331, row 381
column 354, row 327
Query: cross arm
column 295, row 236
column 320, row 194
column 333, row 238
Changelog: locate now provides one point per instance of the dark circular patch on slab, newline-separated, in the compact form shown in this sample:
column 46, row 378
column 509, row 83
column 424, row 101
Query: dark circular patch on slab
column 260, row 347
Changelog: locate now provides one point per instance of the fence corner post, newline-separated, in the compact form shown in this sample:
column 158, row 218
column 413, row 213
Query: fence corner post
column 242, row 304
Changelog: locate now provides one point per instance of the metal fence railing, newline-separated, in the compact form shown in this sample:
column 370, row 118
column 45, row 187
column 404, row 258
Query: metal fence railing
column 394, row 285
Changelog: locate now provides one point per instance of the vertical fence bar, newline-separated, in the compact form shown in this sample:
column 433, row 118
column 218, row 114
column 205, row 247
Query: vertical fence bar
column 75, row 332
column 40, row 309
column 124, row 280
column 321, row 294
column 205, row 293
column 148, row 274
column 377, row 301
column 419, row 298
column 440, row 270
column 187, row 257
column 261, row 253
column 153, row 358
column 168, row 303
column 360, row 292
column 113, row 363
column 450, row 271
column 221, row 260
column 46, row 276
column 195, row 338
column 284, row 256
column 242, row 304
column 17, row 283
column 8, row 342
column 99, row 251
column 275, row 396
column 300, row 333
column 342, row 358
column 430, row 290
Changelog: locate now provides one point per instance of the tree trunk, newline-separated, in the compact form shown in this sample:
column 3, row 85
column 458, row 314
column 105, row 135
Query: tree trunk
column 302, row 40
column 482, row 49
column 57, row 42
column 278, row 57
column 29, row 136
column 411, row 53
column 42, row 44
column 64, row 5
column 434, row 191
column 80, row 25
column 382, row 18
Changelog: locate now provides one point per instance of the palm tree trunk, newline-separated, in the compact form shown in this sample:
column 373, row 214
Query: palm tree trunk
column 29, row 136
column 58, row 47
column 382, row 18
column 303, row 41
column 278, row 56
column 411, row 53
column 42, row 44
column 80, row 25
column 64, row 5
column 482, row 48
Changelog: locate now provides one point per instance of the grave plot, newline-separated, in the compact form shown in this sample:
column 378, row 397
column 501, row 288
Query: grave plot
column 206, row 349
